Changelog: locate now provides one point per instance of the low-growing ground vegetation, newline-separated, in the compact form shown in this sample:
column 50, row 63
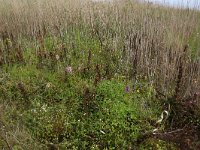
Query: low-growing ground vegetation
column 98, row 75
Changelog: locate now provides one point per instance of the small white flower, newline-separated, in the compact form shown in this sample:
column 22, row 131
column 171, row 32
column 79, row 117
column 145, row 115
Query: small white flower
column 68, row 70
column 44, row 107
column 48, row 85
column 57, row 57
column 33, row 110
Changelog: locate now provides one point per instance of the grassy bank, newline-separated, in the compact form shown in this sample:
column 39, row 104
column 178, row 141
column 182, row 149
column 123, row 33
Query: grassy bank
column 98, row 75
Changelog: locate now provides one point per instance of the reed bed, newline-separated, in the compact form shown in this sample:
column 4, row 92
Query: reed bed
column 148, row 40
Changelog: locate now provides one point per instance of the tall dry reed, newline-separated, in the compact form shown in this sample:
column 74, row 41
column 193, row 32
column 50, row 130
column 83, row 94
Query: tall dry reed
column 149, row 40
